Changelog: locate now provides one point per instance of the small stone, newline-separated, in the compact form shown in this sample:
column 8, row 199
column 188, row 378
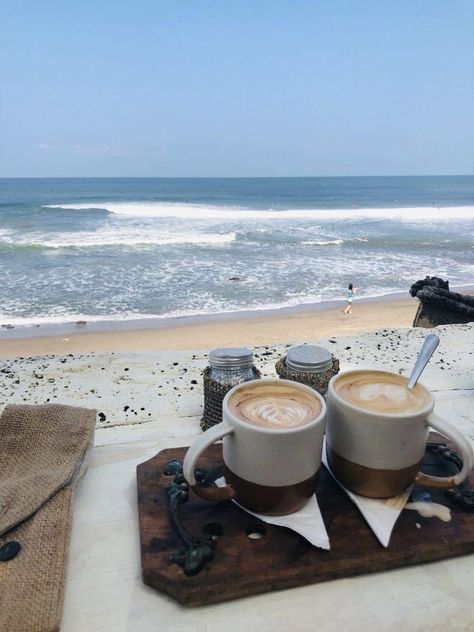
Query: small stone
column 9, row 550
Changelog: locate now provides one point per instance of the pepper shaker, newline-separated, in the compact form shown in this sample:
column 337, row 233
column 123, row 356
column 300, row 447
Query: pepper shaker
column 308, row 364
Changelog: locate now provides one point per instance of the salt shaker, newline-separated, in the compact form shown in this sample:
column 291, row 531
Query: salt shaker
column 231, row 366
column 227, row 368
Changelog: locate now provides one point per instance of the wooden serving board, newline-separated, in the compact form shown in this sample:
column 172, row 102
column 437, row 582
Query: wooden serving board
column 281, row 558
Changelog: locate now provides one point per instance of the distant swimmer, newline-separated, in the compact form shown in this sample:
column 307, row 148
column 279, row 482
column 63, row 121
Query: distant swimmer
column 351, row 290
column 361, row 239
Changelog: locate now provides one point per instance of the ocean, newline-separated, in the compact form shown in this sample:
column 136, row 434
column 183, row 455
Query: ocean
column 116, row 249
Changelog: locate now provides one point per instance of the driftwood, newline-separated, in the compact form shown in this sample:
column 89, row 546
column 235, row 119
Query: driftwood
column 438, row 305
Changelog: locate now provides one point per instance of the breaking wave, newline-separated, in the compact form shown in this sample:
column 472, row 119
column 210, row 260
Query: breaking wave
column 329, row 242
column 196, row 211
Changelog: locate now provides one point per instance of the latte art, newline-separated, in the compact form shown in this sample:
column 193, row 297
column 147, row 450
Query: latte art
column 381, row 393
column 274, row 406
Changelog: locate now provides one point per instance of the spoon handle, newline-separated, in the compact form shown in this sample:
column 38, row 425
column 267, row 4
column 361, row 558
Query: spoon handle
column 427, row 350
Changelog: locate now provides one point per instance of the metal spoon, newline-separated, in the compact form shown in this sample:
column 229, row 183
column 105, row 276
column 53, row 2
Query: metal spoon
column 427, row 350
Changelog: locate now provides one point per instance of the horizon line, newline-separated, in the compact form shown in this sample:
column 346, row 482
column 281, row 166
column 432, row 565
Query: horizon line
column 110, row 177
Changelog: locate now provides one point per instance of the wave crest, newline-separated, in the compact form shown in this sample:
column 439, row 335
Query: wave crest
column 328, row 242
column 197, row 211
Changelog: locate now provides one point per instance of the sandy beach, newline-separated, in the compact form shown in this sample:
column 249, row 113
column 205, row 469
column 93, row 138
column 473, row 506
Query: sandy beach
column 234, row 331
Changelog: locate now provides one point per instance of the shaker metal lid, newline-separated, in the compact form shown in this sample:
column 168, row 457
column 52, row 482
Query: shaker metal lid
column 308, row 359
column 231, row 358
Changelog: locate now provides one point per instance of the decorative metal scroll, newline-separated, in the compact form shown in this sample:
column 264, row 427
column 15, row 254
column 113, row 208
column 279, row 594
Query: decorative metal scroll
column 195, row 550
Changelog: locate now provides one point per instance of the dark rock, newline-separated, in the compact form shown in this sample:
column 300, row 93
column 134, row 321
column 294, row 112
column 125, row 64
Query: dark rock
column 433, row 282
column 439, row 306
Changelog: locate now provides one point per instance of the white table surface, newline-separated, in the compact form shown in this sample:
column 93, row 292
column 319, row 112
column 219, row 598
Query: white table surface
column 104, row 590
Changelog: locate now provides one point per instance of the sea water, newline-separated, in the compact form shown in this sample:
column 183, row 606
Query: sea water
column 123, row 249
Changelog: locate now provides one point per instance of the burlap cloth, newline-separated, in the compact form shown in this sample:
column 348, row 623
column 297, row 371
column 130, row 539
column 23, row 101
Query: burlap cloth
column 43, row 453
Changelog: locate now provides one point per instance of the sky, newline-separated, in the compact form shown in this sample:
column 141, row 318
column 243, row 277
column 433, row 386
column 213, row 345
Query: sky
column 236, row 88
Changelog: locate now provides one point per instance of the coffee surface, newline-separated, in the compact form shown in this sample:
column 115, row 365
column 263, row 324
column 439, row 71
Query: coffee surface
column 274, row 406
column 381, row 393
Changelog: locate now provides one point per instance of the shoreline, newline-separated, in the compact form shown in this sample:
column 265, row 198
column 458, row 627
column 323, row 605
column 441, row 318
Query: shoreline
column 288, row 325
column 104, row 325
column 109, row 325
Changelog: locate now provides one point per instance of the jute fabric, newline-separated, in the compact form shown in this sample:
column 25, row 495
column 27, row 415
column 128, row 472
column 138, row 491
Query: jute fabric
column 214, row 393
column 43, row 452
column 318, row 381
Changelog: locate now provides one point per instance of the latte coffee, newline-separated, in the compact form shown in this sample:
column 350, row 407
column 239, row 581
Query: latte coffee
column 381, row 393
column 278, row 407
column 272, row 434
column 377, row 430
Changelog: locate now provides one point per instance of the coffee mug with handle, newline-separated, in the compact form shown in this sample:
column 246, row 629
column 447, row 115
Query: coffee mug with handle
column 270, row 470
column 378, row 453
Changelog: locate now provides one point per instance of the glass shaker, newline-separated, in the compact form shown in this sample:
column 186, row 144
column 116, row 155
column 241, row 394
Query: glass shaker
column 227, row 368
column 231, row 366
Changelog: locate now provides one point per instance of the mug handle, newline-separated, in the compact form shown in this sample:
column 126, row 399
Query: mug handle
column 211, row 435
column 465, row 448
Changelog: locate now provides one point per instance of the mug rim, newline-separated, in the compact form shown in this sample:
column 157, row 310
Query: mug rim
column 422, row 412
column 275, row 431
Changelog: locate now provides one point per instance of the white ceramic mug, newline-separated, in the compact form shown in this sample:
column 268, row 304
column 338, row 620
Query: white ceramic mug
column 377, row 454
column 268, row 470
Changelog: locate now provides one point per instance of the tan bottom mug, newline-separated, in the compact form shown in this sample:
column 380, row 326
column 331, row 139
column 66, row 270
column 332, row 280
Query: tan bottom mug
column 376, row 434
column 272, row 433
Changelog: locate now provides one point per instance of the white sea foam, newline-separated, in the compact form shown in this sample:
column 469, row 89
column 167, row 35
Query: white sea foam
column 196, row 211
column 63, row 319
column 118, row 238
column 212, row 307
column 328, row 242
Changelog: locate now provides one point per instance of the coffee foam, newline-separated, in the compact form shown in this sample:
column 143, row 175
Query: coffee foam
column 275, row 406
column 381, row 393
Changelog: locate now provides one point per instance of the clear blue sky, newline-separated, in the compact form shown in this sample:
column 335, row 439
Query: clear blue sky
column 236, row 88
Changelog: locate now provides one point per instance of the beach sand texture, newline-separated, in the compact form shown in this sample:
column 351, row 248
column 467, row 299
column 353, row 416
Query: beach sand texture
column 271, row 329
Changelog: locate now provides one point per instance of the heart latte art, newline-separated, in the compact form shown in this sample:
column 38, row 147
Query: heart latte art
column 380, row 393
column 274, row 406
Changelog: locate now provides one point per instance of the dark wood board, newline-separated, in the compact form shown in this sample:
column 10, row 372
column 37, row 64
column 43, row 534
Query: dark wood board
column 281, row 558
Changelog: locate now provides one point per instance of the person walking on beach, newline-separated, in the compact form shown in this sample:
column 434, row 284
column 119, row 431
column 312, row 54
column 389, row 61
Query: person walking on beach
column 350, row 298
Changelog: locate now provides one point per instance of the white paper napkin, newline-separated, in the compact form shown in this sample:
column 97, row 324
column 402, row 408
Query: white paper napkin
column 308, row 521
column 381, row 514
